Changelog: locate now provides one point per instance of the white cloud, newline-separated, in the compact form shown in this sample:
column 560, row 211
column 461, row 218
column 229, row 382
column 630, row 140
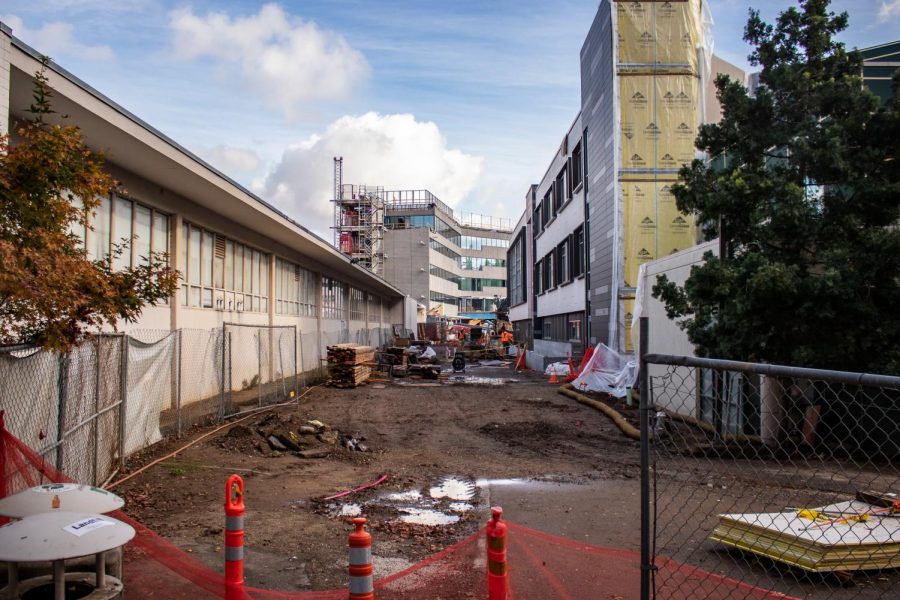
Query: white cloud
column 889, row 10
column 231, row 160
column 394, row 151
column 286, row 60
column 56, row 39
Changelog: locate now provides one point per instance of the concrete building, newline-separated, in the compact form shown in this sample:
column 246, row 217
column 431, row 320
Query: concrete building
column 879, row 64
column 454, row 265
column 242, row 260
column 646, row 85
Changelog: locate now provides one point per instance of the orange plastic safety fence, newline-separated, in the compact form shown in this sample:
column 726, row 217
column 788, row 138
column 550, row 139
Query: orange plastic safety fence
column 541, row 566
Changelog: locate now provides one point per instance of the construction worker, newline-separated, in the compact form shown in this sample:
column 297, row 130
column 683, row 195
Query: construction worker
column 506, row 339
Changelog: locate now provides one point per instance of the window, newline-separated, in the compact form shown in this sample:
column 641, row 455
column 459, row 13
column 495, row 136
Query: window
column 573, row 327
column 577, row 167
column 563, row 274
column 295, row 289
column 357, row 304
column 470, row 242
column 333, row 303
column 439, row 297
column 374, row 303
column 559, row 191
column 578, row 252
column 223, row 274
column 477, row 263
column 536, row 222
column 469, row 284
column 546, row 208
column 538, row 278
column 547, row 272
column 515, row 273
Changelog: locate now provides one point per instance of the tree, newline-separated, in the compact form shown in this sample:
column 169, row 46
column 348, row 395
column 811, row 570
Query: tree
column 51, row 294
column 807, row 201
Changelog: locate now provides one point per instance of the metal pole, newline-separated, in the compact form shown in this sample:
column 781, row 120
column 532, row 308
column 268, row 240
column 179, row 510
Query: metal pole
column 259, row 382
column 97, row 410
column 222, row 387
column 178, row 384
column 62, row 392
column 646, row 564
column 123, row 404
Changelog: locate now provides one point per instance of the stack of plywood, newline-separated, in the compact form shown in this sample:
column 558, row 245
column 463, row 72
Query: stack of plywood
column 349, row 364
column 839, row 540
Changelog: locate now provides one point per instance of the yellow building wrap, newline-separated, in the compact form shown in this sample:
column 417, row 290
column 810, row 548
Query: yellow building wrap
column 662, row 33
column 653, row 226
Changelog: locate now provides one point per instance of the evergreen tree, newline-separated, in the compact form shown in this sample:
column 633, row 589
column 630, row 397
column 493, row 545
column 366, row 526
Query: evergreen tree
column 804, row 187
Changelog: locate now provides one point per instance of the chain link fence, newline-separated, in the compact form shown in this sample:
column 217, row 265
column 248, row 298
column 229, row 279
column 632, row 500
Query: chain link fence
column 86, row 411
column 778, row 477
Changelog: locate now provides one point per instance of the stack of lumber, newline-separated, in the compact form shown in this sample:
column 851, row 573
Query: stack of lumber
column 837, row 540
column 350, row 354
column 349, row 365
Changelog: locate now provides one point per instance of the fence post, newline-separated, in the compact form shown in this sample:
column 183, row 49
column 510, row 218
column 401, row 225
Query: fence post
column 178, row 371
column 297, row 367
column 123, row 404
column 645, row 408
column 62, row 401
column 222, row 386
column 259, row 382
column 97, row 408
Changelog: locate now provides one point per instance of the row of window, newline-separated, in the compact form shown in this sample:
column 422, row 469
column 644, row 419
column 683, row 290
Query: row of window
column 561, row 190
column 444, row 274
column 223, row 274
column 465, row 304
column 560, row 328
column 477, row 284
column 218, row 272
column 442, row 249
column 477, row 263
column 471, row 242
column 562, row 264
column 116, row 219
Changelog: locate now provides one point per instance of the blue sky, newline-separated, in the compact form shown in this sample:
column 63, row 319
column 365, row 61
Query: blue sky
column 468, row 99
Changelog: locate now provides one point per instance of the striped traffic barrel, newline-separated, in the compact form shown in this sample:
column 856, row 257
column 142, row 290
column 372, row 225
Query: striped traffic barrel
column 361, row 584
column 498, row 575
column 234, row 531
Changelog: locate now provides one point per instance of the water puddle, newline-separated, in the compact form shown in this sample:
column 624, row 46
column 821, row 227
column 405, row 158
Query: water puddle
column 453, row 489
column 473, row 380
column 346, row 510
column 443, row 503
column 426, row 516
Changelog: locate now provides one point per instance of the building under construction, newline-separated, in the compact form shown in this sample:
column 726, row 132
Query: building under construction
column 359, row 221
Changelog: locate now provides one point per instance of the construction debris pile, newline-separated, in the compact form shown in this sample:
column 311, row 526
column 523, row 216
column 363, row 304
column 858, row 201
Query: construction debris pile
column 349, row 365
column 277, row 435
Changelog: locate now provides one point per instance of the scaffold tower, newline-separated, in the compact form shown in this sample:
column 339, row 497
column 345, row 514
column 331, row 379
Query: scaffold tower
column 358, row 220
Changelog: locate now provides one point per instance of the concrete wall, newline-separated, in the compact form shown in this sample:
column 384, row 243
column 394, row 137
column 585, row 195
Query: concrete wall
column 406, row 261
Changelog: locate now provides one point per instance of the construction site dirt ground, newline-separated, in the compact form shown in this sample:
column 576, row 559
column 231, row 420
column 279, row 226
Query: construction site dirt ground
column 449, row 453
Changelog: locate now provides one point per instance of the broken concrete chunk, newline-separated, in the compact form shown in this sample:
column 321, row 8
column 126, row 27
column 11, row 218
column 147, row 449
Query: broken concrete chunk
column 307, row 430
column 313, row 453
column 290, row 439
column 276, row 444
column 329, row 437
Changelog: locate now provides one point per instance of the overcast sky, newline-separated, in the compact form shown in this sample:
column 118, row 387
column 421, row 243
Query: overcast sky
column 469, row 99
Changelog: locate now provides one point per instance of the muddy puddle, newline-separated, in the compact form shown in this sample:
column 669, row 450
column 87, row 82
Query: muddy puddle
column 476, row 380
column 443, row 503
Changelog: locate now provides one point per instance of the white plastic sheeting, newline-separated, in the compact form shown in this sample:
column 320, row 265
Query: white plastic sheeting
column 561, row 369
column 608, row 372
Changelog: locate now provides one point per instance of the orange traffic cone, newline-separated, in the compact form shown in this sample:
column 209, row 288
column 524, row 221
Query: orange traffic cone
column 571, row 376
column 553, row 378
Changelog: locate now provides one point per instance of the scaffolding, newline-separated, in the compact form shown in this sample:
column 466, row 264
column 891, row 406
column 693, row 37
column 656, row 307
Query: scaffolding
column 359, row 221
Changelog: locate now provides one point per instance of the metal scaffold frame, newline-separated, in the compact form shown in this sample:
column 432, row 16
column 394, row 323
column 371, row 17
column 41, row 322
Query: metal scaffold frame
column 358, row 221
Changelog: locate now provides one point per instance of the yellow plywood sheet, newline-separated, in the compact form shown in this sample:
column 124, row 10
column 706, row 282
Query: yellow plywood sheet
column 658, row 33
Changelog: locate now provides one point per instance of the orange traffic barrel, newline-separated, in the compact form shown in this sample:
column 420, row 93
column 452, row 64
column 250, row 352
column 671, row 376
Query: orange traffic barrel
column 361, row 579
